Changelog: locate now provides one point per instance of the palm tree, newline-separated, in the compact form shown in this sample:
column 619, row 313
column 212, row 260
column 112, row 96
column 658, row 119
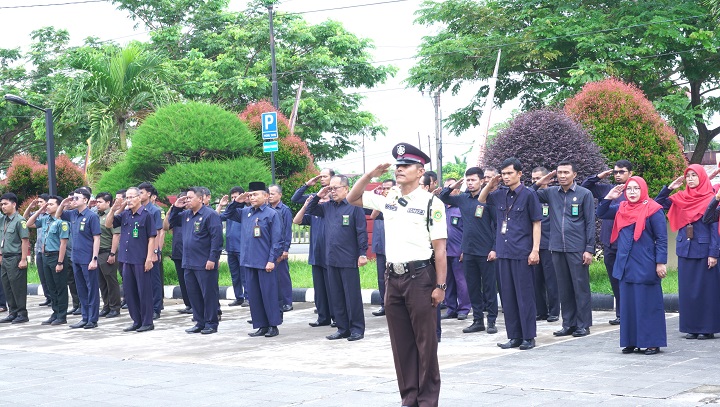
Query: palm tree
column 113, row 87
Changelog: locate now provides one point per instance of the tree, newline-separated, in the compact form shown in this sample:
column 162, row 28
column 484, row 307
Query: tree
column 113, row 86
column 223, row 57
column 543, row 138
column 26, row 177
column 626, row 126
column 455, row 169
column 551, row 49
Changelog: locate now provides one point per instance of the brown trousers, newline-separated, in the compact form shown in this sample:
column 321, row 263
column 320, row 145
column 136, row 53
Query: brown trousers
column 412, row 324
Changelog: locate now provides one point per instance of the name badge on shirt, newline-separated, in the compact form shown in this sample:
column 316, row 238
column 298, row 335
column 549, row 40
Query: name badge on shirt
column 479, row 211
column 546, row 210
column 402, row 202
column 256, row 231
column 346, row 220
column 136, row 231
column 575, row 210
column 455, row 220
column 197, row 226
column 503, row 227
column 82, row 226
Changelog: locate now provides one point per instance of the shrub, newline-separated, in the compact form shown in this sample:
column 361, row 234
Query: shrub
column 218, row 176
column 26, row 177
column 626, row 126
column 544, row 138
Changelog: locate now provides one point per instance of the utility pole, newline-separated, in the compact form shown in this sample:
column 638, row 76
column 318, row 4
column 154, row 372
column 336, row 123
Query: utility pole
column 438, row 135
column 273, row 68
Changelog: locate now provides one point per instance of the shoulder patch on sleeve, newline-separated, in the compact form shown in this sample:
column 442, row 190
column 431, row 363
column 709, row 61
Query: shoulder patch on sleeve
column 437, row 215
column 65, row 227
column 23, row 224
column 162, row 215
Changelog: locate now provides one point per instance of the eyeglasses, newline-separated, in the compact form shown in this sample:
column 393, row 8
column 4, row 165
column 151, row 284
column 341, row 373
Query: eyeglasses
column 75, row 198
column 333, row 189
column 620, row 172
column 131, row 196
column 633, row 189
column 386, row 188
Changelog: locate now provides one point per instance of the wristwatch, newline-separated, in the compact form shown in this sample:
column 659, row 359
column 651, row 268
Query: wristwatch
column 94, row 257
column 112, row 254
column 156, row 251
column 441, row 286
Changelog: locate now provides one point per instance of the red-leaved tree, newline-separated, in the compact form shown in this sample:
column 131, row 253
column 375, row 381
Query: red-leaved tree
column 27, row 178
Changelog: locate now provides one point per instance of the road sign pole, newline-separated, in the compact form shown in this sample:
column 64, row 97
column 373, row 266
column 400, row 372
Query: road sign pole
column 273, row 69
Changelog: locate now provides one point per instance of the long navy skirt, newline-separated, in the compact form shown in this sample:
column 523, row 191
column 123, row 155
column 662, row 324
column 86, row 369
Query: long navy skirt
column 699, row 296
column 642, row 316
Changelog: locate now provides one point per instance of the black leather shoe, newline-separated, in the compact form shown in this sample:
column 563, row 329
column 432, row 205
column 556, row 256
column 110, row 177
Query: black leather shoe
column 318, row 323
column 380, row 312
column 156, row 315
column 123, row 305
column 287, row 308
column 541, row 317
column 236, row 303
column 333, row 324
column 462, row 317
column 104, row 312
column 146, row 328
column 477, row 326
column 565, row 331
column 272, row 331
column 49, row 321
column 131, row 328
column 259, row 332
column 72, row 310
column 448, row 316
column 45, row 303
column 581, row 332
column 76, row 311
column 20, row 319
column 491, row 329
column 193, row 330
column 355, row 337
column 8, row 319
column 652, row 351
column 553, row 318
column 90, row 325
column 629, row 349
column 208, row 331
column 59, row 321
column 700, row 336
column 691, row 336
column 113, row 314
column 527, row 344
column 245, row 304
column 186, row 310
column 338, row 335
column 512, row 343
column 615, row 321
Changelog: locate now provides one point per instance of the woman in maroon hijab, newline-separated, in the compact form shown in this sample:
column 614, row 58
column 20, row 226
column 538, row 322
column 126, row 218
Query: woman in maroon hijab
column 641, row 233
column 697, row 248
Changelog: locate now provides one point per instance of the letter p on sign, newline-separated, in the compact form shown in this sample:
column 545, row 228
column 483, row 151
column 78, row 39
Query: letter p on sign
column 269, row 125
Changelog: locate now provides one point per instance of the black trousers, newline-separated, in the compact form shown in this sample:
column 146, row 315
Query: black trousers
column 574, row 287
column 481, row 278
column 57, row 285
column 547, row 299
column 609, row 255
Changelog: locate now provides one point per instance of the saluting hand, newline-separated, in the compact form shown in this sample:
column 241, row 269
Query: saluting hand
column 312, row 181
column 457, row 183
column 180, row 202
column 224, row 200
column 677, row 183
column 66, row 201
column 324, row 191
column 437, row 191
column 604, row 174
column 241, row 198
column 615, row 192
column 119, row 203
column 545, row 179
column 34, row 203
column 379, row 170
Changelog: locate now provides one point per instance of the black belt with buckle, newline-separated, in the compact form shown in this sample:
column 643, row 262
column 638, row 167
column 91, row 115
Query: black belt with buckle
column 398, row 269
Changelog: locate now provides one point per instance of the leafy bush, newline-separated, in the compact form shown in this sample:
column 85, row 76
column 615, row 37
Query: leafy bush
column 26, row 177
column 626, row 126
column 544, row 138
column 218, row 176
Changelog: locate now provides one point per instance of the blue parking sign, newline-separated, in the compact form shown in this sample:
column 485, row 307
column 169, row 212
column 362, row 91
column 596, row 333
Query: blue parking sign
column 269, row 125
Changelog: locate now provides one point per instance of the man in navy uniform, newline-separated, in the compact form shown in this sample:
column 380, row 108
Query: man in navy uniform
column 478, row 249
column 415, row 231
column 147, row 191
column 345, row 246
column 518, row 213
column 137, row 242
column 85, row 234
column 176, row 257
column 621, row 172
column 262, row 244
column 233, row 234
column 547, row 298
column 282, row 267
column 202, row 244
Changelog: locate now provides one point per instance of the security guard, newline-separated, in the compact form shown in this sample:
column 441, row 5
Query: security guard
column 415, row 230
column 14, row 245
column 55, row 234
column 262, row 244
column 202, row 244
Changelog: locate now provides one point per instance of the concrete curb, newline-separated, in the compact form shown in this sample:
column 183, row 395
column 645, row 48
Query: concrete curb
column 600, row 302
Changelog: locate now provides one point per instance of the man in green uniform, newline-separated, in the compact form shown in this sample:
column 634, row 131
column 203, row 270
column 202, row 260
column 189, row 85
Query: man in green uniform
column 14, row 245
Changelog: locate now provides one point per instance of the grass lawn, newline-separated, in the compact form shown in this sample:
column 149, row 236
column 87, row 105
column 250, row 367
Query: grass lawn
column 300, row 273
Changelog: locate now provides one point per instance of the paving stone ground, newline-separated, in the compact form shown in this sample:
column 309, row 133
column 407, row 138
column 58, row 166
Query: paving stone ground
column 48, row 366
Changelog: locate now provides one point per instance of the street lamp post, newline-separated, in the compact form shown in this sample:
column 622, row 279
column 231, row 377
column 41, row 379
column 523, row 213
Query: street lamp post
column 49, row 139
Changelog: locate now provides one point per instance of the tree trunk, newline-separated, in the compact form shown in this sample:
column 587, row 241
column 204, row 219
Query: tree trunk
column 123, row 136
column 705, row 135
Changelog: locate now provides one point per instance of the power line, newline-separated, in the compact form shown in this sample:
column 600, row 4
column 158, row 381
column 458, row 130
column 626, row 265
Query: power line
column 53, row 4
column 348, row 7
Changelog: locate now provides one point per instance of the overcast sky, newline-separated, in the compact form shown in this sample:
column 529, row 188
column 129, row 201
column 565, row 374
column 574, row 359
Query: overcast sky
column 405, row 112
